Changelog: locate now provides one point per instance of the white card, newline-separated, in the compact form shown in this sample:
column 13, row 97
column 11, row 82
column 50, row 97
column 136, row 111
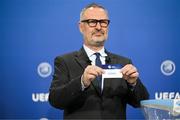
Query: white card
column 112, row 73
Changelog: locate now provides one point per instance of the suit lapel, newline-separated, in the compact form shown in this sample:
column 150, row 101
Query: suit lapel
column 109, row 58
column 82, row 58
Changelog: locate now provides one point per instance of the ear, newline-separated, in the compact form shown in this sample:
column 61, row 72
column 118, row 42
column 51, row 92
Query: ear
column 80, row 27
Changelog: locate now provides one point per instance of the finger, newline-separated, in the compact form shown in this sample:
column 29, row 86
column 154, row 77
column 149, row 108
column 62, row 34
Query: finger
column 126, row 68
column 134, row 75
column 132, row 80
column 131, row 71
column 90, row 71
column 99, row 70
column 125, row 77
column 91, row 77
column 93, row 72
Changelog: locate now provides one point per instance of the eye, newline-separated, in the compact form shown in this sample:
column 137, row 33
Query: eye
column 92, row 21
column 104, row 21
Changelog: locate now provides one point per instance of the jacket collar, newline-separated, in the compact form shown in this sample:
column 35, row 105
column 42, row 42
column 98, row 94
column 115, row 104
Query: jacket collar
column 82, row 56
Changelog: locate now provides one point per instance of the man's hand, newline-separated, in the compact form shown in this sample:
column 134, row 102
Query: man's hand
column 90, row 73
column 130, row 73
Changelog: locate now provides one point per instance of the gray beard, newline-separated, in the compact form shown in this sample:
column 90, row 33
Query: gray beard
column 99, row 43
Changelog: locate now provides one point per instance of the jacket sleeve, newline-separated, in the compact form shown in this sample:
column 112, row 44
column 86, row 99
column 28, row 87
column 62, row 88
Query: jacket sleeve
column 63, row 90
column 138, row 93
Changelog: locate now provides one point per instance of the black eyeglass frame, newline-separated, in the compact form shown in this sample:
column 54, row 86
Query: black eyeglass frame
column 95, row 21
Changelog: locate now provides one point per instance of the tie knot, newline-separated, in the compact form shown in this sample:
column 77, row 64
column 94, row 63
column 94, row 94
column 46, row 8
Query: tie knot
column 97, row 54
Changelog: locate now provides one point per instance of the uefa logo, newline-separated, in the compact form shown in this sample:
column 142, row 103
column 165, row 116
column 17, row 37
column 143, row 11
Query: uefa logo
column 109, row 66
column 44, row 69
column 43, row 118
column 168, row 67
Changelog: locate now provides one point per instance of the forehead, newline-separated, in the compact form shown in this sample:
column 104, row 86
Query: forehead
column 95, row 13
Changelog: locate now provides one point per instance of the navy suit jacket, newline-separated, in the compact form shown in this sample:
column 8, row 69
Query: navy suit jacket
column 66, row 90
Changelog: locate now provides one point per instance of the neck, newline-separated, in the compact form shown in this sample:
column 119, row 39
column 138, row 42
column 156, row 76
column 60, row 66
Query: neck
column 95, row 48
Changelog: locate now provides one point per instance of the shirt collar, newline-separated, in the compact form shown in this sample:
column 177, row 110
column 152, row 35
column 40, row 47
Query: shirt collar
column 91, row 52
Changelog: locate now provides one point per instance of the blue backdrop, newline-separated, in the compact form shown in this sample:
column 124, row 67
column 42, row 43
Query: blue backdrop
column 34, row 32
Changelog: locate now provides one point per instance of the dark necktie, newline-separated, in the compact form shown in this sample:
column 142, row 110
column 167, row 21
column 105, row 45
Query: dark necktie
column 99, row 64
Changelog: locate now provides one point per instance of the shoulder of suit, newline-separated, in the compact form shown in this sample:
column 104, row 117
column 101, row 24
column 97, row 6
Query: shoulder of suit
column 67, row 55
column 119, row 57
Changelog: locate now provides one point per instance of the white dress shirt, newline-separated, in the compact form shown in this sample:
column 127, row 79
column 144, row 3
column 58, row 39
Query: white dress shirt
column 92, row 56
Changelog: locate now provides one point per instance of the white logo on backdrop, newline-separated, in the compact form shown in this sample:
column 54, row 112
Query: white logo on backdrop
column 40, row 97
column 43, row 118
column 44, row 69
column 167, row 95
column 168, row 67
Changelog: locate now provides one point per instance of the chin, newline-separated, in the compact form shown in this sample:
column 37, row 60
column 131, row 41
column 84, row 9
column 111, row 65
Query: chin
column 99, row 43
column 99, row 39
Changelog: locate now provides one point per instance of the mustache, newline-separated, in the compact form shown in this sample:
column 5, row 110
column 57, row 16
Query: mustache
column 98, row 31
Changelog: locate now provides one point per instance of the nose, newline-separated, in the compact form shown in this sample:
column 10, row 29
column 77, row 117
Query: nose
column 98, row 26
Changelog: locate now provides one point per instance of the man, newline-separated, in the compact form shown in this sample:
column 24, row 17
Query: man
column 76, row 87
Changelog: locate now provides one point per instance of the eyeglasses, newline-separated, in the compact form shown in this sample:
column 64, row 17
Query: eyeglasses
column 93, row 22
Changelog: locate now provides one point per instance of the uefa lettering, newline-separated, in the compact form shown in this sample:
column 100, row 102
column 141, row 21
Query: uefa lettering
column 167, row 95
column 40, row 97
